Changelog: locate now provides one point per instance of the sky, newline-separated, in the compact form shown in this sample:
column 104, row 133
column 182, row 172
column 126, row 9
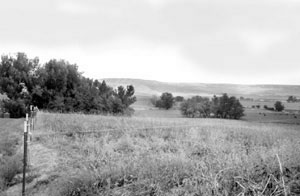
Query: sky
column 205, row 41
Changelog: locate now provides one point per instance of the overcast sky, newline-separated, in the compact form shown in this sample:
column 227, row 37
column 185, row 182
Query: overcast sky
column 214, row 41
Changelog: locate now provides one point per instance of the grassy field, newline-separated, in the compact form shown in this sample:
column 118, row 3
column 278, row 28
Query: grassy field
column 100, row 155
column 10, row 160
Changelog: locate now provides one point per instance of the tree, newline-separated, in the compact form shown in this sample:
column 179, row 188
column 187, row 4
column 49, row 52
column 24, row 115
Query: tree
column 179, row 99
column 292, row 99
column 278, row 106
column 236, row 110
column 17, row 79
column 166, row 101
column 196, row 107
column 222, row 107
column 58, row 86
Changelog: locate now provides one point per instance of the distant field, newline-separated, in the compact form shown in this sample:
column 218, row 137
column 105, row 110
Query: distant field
column 288, row 106
column 99, row 155
column 264, row 116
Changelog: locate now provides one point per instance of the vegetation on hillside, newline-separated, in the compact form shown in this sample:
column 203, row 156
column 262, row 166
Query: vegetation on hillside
column 57, row 86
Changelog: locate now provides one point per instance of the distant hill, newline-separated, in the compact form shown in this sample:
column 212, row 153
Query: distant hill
column 150, row 87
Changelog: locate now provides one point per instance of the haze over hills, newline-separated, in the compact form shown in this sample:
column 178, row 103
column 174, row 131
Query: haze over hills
column 150, row 87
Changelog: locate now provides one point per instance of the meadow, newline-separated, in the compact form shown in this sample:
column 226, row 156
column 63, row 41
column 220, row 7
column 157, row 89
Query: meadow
column 106, row 155
column 10, row 158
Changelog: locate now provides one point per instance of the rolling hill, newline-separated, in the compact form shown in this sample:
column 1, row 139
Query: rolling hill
column 145, row 88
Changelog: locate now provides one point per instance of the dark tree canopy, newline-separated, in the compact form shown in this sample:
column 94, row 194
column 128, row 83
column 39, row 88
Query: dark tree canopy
column 57, row 86
column 165, row 101
column 179, row 98
column 292, row 99
column 278, row 106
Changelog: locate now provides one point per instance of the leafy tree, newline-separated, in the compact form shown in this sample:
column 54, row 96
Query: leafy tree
column 196, row 107
column 166, row 101
column 278, row 106
column 15, row 73
column 292, row 99
column 58, row 86
column 222, row 107
column 179, row 99
column 17, row 79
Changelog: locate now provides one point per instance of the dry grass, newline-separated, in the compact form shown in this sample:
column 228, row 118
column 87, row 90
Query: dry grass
column 170, row 156
column 10, row 161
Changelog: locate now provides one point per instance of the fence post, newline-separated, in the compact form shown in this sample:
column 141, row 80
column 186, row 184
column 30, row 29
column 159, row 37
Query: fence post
column 25, row 154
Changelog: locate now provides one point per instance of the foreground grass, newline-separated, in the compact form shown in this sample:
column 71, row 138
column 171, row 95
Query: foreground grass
column 10, row 161
column 157, row 156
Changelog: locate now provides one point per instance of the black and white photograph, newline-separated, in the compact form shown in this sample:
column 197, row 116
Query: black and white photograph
column 150, row 98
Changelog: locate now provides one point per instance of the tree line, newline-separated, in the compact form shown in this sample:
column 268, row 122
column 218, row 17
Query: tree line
column 57, row 85
column 203, row 107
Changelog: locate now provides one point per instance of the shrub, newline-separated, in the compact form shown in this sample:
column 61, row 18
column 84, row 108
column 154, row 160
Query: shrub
column 16, row 108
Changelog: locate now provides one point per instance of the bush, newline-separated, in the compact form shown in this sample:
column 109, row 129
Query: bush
column 16, row 108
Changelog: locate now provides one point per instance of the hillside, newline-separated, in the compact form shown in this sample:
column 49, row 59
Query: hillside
column 150, row 87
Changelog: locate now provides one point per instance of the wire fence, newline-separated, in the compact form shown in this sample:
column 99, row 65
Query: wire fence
column 29, row 125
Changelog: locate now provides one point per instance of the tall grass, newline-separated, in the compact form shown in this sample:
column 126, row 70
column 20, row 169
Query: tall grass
column 171, row 156
column 10, row 160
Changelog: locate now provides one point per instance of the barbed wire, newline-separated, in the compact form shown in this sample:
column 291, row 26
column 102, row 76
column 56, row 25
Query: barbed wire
column 105, row 130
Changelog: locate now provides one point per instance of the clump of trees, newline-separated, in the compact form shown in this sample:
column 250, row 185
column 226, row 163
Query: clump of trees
column 292, row 99
column 57, row 86
column 218, row 107
column 165, row 101
column 278, row 106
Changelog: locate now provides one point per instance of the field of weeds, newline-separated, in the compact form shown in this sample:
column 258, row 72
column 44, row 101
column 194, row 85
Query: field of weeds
column 10, row 159
column 102, row 155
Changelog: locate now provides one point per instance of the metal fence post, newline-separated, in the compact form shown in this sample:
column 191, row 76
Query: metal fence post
column 25, row 154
